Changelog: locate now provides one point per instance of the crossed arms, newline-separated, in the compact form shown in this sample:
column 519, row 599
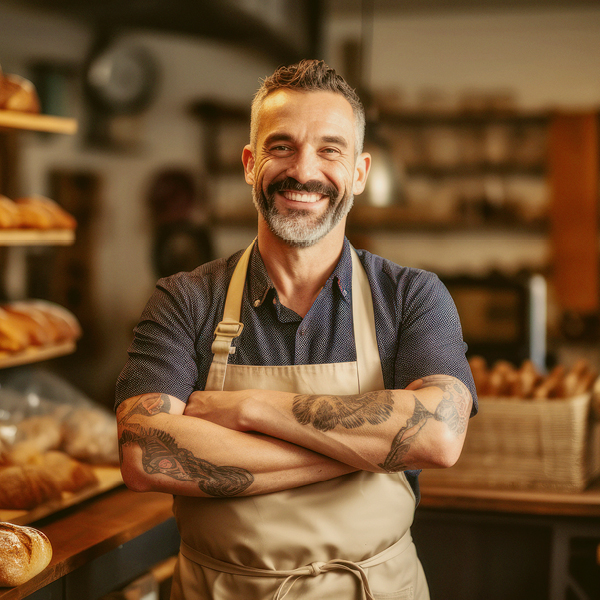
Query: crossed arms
column 224, row 444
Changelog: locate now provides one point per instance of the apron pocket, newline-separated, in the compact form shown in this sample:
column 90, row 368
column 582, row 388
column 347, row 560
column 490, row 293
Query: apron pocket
column 405, row 594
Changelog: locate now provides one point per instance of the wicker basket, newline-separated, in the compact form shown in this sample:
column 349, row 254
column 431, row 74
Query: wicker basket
column 527, row 444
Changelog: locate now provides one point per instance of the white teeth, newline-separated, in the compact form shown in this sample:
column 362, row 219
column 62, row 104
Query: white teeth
column 298, row 197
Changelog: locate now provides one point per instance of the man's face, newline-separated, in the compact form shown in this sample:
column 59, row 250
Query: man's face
column 303, row 171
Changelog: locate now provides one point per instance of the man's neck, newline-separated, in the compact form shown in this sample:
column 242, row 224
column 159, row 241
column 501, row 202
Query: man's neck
column 299, row 274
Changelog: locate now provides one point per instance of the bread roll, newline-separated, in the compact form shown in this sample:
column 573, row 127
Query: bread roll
column 37, row 330
column 34, row 216
column 552, row 386
column 502, row 379
column 18, row 93
column 40, row 212
column 90, row 435
column 10, row 217
column 12, row 337
column 65, row 324
column 24, row 551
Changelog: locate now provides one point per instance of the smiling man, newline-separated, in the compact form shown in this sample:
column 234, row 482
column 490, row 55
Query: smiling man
column 289, row 395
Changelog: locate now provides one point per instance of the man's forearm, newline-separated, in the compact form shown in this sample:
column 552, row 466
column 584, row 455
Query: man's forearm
column 388, row 430
column 164, row 450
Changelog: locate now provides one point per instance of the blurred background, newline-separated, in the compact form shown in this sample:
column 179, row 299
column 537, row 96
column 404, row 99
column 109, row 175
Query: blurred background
column 483, row 125
column 471, row 104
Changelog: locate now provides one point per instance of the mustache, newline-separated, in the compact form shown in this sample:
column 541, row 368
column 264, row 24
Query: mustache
column 311, row 187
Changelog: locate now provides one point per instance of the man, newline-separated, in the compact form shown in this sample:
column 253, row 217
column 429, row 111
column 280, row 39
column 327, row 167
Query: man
column 288, row 396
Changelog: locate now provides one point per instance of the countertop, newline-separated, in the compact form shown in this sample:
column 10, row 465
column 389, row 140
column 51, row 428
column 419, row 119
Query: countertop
column 92, row 529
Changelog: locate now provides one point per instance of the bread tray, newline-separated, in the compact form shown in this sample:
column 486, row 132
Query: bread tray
column 108, row 478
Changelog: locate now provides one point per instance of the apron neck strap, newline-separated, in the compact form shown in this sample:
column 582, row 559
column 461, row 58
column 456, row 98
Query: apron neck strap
column 370, row 376
column 230, row 326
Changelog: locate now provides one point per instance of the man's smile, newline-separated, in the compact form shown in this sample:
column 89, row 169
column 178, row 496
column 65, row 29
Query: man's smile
column 305, row 197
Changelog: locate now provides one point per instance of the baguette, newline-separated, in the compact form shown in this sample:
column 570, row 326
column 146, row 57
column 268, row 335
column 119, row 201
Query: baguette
column 24, row 551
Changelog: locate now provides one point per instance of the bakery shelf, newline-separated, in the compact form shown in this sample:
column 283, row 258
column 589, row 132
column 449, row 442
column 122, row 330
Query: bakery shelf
column 36, row 237
column 33, row 355
column 35, row 122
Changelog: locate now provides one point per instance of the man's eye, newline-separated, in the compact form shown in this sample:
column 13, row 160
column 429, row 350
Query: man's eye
column 330, row 151
column 280, row 149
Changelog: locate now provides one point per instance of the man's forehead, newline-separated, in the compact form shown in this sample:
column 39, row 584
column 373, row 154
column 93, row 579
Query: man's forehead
column 293, row 107
column 280, row 98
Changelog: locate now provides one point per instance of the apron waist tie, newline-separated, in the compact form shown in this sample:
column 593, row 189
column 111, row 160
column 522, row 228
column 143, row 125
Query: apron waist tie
column 310, row 570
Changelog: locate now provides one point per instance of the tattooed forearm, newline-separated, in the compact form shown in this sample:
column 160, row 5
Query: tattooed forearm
column 394, row 461
column 162, row 454
column 453, row 410
column 326, row 412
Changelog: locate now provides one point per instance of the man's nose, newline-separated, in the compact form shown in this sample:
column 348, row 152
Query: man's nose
column 304, row 167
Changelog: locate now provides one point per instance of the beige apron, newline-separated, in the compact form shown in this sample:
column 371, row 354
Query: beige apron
column 343, row 539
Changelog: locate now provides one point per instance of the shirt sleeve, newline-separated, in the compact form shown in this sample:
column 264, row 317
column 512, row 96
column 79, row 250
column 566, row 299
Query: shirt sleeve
column 431, row 340
column 163, row 356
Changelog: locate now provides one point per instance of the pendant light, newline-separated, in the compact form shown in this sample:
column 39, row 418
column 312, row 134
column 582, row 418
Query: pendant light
column 384, row 185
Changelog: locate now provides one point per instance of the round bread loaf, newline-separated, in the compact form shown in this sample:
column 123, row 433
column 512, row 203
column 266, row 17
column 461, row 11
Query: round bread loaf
column 25, row 552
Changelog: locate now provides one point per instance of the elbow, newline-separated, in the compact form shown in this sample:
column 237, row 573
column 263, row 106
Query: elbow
column 447, row 451
column 135, row 479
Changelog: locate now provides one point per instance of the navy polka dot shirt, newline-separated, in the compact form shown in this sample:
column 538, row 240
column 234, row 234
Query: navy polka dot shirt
column 417, row 326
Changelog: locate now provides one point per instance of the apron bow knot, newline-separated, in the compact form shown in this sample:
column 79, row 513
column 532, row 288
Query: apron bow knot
column 316, row 568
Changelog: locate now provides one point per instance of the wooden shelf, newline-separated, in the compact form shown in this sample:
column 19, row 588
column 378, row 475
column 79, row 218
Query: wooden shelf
column 33, row 122
column 36, row 237
column 501, row 169
column 468, row 118
column 33, row 355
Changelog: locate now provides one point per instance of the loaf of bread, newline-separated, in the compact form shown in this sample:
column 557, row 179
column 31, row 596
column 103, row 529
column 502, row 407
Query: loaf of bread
column 33, row 323
column 10, row 217
column 24, row 552
column 39, row 212
column 43, row 478
column 23, row 487
column 18, row 93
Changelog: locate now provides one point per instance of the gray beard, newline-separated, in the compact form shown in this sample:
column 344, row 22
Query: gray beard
column 297, row 228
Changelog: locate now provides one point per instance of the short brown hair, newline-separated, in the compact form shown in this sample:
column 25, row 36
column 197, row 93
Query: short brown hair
column 309, row 76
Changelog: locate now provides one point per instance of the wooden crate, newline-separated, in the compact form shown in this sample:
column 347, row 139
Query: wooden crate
column 528, row 444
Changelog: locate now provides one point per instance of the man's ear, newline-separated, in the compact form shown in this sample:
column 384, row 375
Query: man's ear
column 361, row 172
column 248, row 161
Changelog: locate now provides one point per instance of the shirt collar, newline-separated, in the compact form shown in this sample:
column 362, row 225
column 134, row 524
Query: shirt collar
column 259, row 283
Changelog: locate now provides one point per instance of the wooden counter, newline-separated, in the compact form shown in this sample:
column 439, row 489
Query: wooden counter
column 529, row 502
column 101, row 544
column 523, row 545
